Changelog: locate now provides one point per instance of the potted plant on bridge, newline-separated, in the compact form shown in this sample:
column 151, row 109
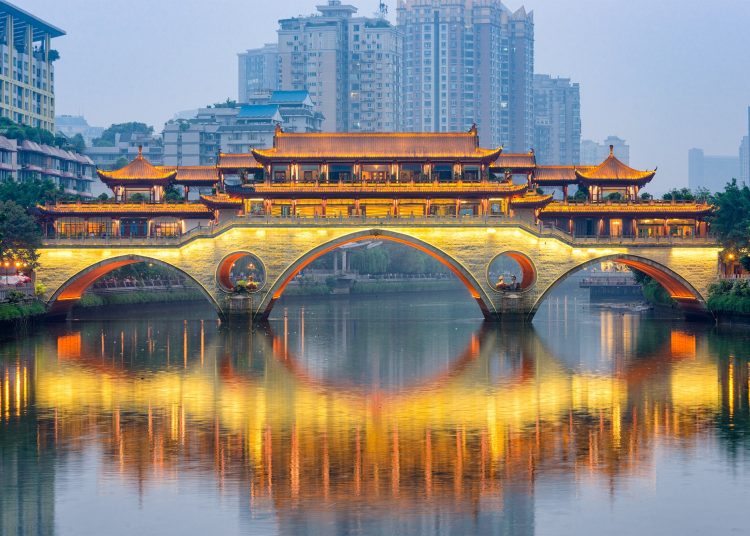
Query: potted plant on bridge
column 241, row 300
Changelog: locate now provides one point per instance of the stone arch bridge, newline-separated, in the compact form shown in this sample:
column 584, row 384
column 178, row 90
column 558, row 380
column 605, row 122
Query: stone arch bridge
column 685, row 267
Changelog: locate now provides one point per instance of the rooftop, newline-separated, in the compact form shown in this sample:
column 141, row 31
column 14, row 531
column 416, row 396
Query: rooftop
column 259, row 111
column 386, row 146
column 613, row 170
column 39, row 26
column 139, row 169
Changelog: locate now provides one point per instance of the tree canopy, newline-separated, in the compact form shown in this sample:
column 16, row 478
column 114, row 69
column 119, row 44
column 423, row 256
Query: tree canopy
column 731, row 221
column 20, row 236
column 107, row 139
column 679, row 194
column 29, row 193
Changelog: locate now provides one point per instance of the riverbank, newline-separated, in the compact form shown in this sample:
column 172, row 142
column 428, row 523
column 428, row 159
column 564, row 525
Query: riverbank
column 134, row 297
column 18, row 313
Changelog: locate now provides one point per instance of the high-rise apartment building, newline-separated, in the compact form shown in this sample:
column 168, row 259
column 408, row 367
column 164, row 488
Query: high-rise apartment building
column 469, row 62
column 258, row 71
column 348, row 64
column 745, row 160
column 711, row 171
column 557, row 120
column 593, row 153
column 27, row 88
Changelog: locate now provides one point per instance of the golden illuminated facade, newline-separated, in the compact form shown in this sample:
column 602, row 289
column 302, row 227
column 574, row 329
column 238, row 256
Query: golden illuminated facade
column 438, row 192
column 379, row 175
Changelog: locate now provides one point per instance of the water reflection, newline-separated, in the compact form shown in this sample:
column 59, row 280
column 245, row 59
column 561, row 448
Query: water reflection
column 318, row 424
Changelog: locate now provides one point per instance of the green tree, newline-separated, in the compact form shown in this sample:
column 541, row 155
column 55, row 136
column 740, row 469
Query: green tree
column 172, row 194
column 681, row 194
column 370, row 261
column 29, row 193
column 731, row 220
column 229, row 103
column 107, row 139
column 77, row 143
column 20, row 235
column 582, row 194
column 121, row 162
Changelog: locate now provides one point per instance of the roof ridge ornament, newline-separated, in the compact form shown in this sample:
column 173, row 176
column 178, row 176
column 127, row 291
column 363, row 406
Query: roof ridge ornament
column 140, row 150
column 611, row 150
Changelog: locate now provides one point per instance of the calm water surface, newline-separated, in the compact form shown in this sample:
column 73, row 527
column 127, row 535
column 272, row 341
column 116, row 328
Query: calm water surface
column 375, row 416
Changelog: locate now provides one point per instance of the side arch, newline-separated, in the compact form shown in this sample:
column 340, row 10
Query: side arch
column 689, row 299
column 460, row 271
column 72, row 290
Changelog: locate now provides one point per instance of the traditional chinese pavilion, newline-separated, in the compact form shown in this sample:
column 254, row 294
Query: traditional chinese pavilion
column 378, row 175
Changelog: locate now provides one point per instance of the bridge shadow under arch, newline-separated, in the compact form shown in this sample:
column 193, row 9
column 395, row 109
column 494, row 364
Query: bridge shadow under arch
column 468, row 280
column 73, row 289
column 687, row 297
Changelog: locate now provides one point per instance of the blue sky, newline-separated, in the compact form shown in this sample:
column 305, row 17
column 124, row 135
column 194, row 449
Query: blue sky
column 666, row 75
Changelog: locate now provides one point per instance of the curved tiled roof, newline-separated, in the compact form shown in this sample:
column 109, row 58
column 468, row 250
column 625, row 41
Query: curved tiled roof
column 613, row 170
column 206, row 175
column 139, row 169
column 515, row 161
column 438, row 146
column 237, row 161
column 530, row 200
column 221, row 201
column 126, row 209
column 557, row 175
column 644, row 210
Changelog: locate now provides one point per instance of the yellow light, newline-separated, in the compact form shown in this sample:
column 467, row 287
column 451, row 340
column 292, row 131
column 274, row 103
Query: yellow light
column 492, row 231
column 730, row 256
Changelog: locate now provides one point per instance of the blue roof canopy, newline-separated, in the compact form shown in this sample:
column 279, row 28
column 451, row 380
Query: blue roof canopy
column 258, row 111
column 289, row 97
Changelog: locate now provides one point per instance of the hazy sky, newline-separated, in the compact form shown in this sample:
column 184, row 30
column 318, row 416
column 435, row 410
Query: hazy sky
column 666, row 75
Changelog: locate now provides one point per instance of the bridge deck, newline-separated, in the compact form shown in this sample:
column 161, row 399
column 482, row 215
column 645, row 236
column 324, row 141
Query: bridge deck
column 488, row 222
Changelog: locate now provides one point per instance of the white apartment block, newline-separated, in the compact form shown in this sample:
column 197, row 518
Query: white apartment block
column 349, row 65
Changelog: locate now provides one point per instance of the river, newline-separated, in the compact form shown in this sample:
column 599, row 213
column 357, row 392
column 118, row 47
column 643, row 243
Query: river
column 393, row 414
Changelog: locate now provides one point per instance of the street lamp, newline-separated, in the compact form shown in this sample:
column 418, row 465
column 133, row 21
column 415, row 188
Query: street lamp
column 6, row 264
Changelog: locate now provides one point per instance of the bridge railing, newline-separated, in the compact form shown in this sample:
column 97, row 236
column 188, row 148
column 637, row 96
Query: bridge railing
column 486, row 221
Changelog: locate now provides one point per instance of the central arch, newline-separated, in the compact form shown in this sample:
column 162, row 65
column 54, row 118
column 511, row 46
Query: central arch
column 687, row 297
column 460, row 271
column 72, row 290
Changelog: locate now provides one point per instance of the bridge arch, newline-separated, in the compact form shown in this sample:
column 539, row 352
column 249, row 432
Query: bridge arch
column 687, row 297
column 460, row 271
column 72, row 290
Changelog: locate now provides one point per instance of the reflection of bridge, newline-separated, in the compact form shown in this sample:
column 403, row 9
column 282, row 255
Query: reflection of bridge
column 464, row 438
column 465, row 246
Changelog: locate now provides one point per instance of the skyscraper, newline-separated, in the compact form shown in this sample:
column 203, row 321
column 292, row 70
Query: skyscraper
column 557, row 120
column 711, row 171
column 745, row 160
column 349, row 65
column 466, row 62
column 258, row 71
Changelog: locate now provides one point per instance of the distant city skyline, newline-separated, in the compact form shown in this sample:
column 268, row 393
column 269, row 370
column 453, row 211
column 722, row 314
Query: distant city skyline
column 663, row 77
